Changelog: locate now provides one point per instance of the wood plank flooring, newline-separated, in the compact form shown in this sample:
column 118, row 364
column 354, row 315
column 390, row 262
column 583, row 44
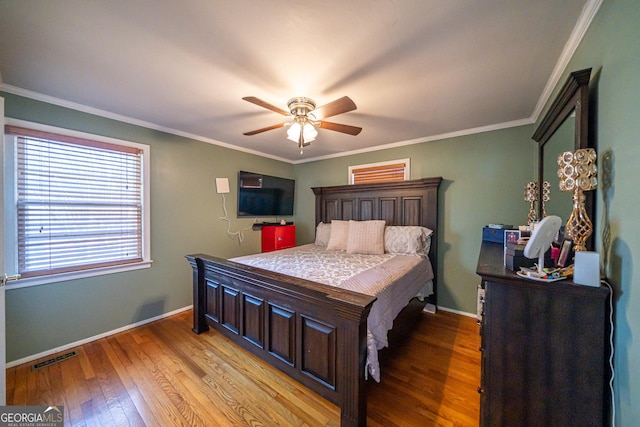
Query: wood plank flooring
column 162, row 374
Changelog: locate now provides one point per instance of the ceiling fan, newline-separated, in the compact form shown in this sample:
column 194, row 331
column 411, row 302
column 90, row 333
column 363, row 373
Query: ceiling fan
column 305, row 118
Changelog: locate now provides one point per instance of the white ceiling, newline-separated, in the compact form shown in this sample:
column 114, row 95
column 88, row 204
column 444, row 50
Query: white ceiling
column 418, row 70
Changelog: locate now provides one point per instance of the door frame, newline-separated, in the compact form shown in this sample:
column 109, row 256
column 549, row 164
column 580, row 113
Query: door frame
column 3, row 332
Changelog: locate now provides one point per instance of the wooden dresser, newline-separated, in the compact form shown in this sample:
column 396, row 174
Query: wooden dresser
column 544, row 349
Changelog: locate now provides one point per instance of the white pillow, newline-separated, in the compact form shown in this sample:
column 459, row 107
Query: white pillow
column 323, row 232
column 366, row 237
column 407, row 240
column 338, row 236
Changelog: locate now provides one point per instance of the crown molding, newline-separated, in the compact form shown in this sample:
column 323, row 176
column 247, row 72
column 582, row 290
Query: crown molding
column 465, row 132
column 589, row 11
column 113, row 116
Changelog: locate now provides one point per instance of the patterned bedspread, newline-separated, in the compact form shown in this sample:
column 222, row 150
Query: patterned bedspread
column 393, row 279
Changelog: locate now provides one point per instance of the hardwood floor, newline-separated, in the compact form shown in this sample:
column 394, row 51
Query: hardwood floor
column 162, row 374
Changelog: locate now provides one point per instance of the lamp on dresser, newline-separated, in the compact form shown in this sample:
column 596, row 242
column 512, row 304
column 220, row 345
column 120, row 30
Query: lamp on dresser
column 546, row 196
column 531, row 196
column 578, row 173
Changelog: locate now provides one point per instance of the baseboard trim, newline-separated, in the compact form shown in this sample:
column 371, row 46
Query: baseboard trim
column 94, row 338
column 462, row 313
column 52, row 351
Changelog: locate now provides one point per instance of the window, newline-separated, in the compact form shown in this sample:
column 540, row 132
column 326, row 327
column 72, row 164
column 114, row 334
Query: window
column 78, row 203
column 391, row 171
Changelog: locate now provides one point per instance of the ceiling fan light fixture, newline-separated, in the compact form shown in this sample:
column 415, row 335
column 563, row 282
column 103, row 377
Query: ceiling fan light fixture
column 303, row 122
column 309, row 132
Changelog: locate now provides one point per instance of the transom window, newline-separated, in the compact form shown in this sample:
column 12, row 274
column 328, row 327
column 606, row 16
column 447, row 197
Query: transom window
column 390, row 171
column 78, row 202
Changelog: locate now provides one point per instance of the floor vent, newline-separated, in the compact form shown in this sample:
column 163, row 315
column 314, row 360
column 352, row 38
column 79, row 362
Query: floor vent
column 56, row 359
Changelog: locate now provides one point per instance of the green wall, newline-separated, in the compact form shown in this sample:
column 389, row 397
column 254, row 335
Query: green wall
column 484, row 177
column 479, row 187
column 184, row 219
column 611, row 47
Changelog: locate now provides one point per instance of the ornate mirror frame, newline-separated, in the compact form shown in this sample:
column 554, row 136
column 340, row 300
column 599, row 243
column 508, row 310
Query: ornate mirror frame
column 572, row 100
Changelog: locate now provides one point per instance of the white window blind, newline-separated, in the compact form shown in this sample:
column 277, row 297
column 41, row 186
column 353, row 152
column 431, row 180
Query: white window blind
column 79, row 203
column 379, row 172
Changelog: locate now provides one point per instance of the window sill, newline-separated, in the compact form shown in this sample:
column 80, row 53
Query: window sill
column 63, row 277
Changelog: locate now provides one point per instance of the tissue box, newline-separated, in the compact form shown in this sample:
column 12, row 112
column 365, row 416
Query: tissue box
column 492, row 234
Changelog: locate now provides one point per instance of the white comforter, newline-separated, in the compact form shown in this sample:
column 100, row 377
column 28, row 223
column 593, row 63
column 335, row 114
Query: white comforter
column 393, row 279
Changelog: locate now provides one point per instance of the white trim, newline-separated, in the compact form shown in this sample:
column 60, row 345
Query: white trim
column 472, row 131
column 584, row 21
column 106, row 114
column 141, row 323
column 94, row 338
column 589, row 11
column 146, row 213
column 462, row 313
column 72, row 275
column 70, row 132
column 3, row 328
column 102, row 113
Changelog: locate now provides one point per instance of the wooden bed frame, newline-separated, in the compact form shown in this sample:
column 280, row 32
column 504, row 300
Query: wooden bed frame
column 314, row 333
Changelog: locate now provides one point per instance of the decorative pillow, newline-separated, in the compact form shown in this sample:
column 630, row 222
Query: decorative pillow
column 366, row 237
column 323, row 232
column 338, row 236
column 407, row 240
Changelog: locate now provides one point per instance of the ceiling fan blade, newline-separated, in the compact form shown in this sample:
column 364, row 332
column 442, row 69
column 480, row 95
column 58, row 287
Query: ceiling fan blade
column 351, row 130
column 339, row 106
column 265, row 104
column 253, row 132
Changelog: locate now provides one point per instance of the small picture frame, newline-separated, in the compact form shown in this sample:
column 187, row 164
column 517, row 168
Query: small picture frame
column 511, row 236
column 565, row 253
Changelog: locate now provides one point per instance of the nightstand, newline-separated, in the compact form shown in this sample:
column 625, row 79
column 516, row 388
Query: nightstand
column 275, row 237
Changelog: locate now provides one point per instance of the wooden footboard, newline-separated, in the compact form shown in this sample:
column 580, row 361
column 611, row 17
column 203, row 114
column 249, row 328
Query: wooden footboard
column 314, row 333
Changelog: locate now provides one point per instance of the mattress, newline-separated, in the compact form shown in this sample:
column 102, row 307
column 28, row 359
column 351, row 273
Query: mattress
column 393, row 279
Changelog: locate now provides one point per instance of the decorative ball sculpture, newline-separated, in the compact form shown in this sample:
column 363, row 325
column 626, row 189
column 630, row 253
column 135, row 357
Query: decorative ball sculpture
column 578, row 173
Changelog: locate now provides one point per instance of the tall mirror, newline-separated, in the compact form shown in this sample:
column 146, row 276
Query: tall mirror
column 564, row 128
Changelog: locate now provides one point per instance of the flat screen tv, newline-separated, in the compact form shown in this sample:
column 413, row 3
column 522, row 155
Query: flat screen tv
column 264, row 195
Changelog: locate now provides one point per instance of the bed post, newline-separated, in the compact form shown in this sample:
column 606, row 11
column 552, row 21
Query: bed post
column 353, row 407
column 199, row 296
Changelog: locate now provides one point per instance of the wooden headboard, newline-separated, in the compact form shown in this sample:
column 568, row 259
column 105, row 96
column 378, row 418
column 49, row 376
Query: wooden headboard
column 412, row 202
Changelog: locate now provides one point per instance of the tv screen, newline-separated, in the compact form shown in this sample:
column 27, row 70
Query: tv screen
column 264, row 195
